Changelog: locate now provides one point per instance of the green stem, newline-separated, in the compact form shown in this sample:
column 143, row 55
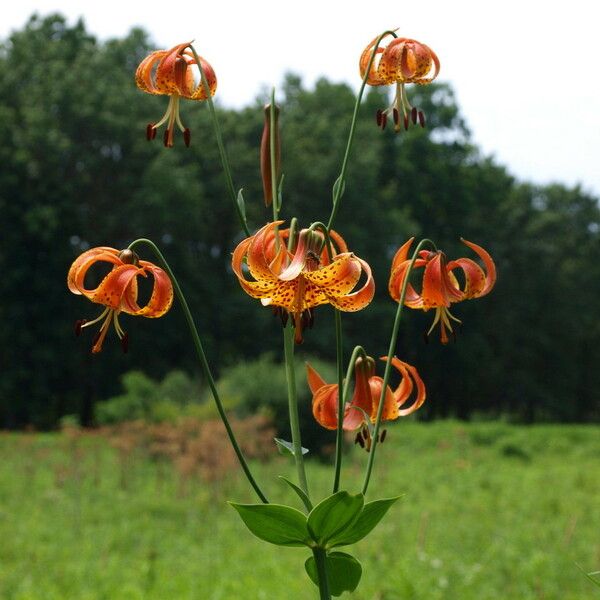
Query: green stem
column 339, row 439
column 204, row 364
column 319, row 554
column 339, row 184
column 219, row 136
column 343, row 389
column 388, row 364
column 288, row 339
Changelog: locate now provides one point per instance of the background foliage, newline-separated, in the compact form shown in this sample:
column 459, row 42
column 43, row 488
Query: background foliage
column 77, row 172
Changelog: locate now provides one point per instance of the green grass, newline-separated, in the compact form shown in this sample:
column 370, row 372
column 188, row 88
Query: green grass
column 491, row 511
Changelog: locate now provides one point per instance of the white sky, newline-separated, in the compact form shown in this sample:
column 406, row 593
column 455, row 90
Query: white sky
column 523, row 71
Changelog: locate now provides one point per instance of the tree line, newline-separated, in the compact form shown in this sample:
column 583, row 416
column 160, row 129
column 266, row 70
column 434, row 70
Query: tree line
column 77, row 172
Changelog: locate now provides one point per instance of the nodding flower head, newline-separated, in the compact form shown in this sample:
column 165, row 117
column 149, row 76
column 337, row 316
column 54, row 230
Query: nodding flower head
column 400, row 62
column 440, row 287
column 174, row 73
column 118, row 290
column 297, row 280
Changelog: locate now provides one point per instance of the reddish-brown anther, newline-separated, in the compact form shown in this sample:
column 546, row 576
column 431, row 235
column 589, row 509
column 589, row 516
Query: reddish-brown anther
column 79, row 326
column 378, row 116
column 396, row 116
column 187, row 137
column 421, row 118
column 413, row 115
column 150, row 132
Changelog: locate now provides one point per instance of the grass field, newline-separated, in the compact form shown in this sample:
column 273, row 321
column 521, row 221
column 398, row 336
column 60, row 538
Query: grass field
column 491, row 511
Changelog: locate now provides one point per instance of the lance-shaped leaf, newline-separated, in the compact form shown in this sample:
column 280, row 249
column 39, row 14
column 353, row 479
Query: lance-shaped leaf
column 334, row 515
column 369, row 517
column 275, row 523
column 343, row 572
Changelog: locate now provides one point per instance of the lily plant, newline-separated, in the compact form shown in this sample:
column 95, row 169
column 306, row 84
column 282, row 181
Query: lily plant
column 293, row 270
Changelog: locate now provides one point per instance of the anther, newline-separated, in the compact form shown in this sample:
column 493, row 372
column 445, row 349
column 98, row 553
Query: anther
column 396, row 116
column 413, row 115
column 382, row 436
column 187, row 137
column 405, row 122
column 421, row 118
column 79, row 326
column 125, row 344
column 378, row 117
column 359, row 439
column 150, row 132
column 383, row 120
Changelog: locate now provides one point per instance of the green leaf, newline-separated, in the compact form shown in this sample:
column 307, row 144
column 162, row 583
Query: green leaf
column 332, row 516
column 341, row 185
column 275, row 523
column 301, row 493
column 343, row 572
column 370, row 516
column 241, row 204
column 285, row 447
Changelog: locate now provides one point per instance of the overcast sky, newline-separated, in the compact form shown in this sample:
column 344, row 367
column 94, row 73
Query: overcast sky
column 524, row 72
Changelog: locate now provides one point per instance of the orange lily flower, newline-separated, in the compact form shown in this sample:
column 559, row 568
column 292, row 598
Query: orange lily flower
column 174, row 73
column 118, row 291
column 367, row 393
column 440, row 286
column 402, row 61
column 295, row 282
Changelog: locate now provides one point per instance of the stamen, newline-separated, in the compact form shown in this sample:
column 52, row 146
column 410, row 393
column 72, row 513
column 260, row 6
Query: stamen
column 382, row 436
column 187, row 137
column 421, row 116
column 396, row 116
column 168, row 138
column 405, row 122
column 359, row 439
column 413, row 115
column 383, row 120
column 79, row 326
column 101, row 316
column 150, row 132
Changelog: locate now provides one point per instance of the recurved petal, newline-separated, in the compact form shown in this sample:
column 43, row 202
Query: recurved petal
column 170, row 72
column 143, row 74
column 402, row 253
column 355, row 300
column 339, row 277
column 490, row 277
column 256, row 289
column 324, row 406
column 410, row 379
column 397, row 277
column 112, row 287
column 161, row 298
column 258, row 262
column 200, row 91
column 81, row 265
column 315, row 381
column 438, row 289
column 390, row 406
column 374, row 77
